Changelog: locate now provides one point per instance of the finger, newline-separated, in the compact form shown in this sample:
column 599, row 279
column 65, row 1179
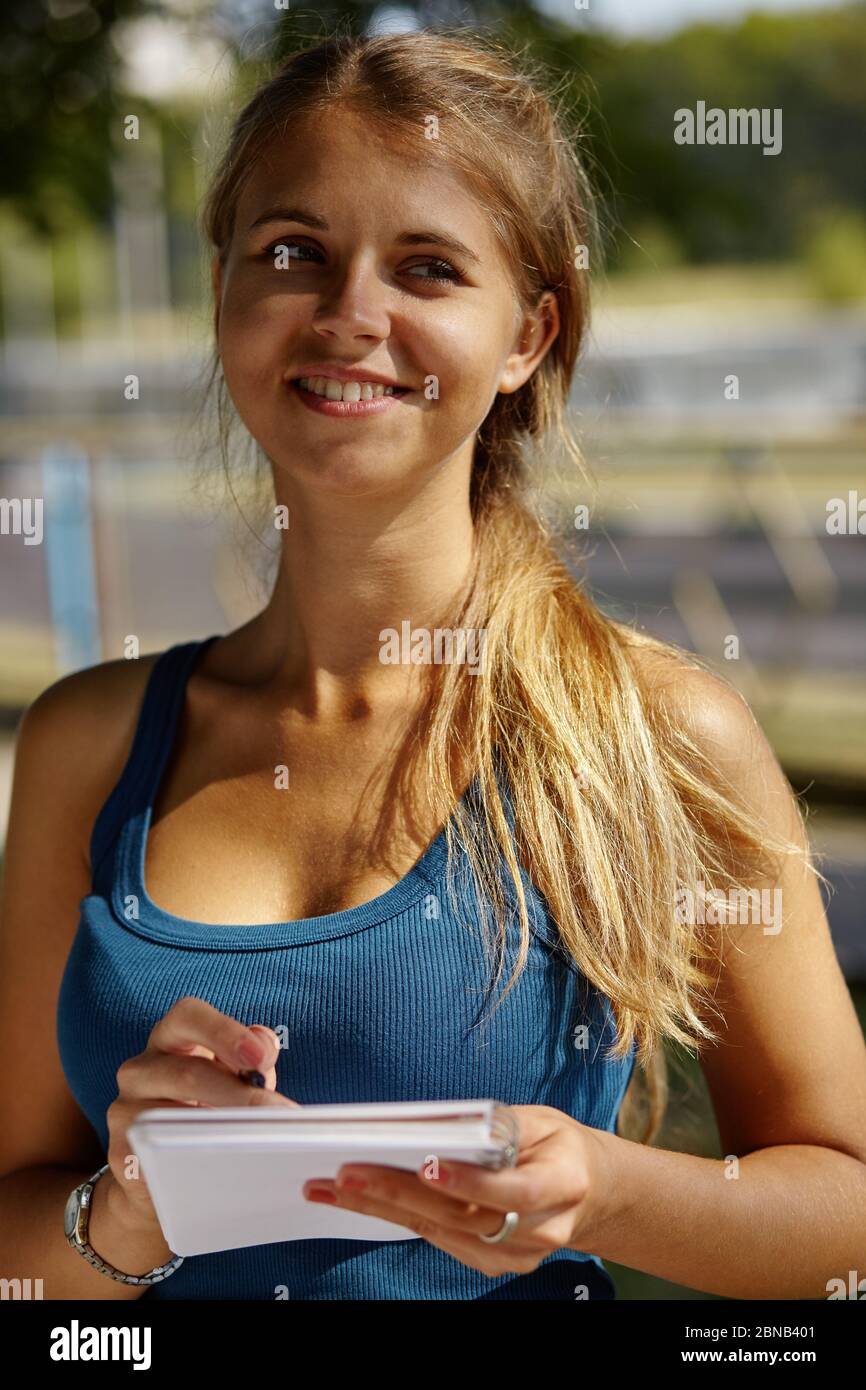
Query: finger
column 268, row 1066
column 270, row 1073
column 157, row 1076
column 459, row 1239
column 402, row 1190
column 193, row 1022
column 196, row 1050
column 535, row 1186
column 507, row 1190
column 270, row 1076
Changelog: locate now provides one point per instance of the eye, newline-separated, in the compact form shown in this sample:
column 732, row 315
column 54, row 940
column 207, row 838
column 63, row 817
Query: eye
column 285, row 243
column 446, row 273
column 443, row 272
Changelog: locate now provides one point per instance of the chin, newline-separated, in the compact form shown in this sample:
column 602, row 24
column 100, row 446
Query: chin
column 346, row 477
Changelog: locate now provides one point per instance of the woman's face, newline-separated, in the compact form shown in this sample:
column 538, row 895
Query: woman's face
column 358, row 290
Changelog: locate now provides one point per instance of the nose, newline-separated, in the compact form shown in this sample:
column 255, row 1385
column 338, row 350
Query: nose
column 354, row 304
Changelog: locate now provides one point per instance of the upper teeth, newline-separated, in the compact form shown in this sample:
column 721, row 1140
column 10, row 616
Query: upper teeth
column 344, row 390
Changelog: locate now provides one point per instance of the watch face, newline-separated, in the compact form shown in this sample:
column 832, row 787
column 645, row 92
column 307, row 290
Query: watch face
column 70, row 1217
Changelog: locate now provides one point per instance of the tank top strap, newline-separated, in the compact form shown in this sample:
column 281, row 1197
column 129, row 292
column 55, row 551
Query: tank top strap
column 152, row 740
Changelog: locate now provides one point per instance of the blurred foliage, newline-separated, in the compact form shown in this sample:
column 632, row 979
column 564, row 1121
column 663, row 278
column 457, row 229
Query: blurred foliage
column 723, row 202
column 835, row 255
column 651, row 245
column 58, row 106
column 61, row 78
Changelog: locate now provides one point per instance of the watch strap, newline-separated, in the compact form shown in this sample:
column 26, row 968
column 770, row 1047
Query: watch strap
column 84, row 1192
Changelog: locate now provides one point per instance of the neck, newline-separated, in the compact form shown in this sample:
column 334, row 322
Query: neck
column 351, row 567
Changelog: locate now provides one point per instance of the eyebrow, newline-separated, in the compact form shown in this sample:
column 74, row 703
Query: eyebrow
column 311, row 219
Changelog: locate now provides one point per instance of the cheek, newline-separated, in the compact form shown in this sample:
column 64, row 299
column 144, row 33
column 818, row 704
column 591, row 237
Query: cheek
column 462, row 350
column 251, row 359
column 252, row 364
column 253, row 330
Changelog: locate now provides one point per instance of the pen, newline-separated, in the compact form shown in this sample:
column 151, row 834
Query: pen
column 252, row 1077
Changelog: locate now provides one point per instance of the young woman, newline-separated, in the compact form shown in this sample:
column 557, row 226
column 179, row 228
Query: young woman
column 430, row 877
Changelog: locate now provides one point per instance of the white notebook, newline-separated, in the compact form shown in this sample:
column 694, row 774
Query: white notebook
column 227, row 1177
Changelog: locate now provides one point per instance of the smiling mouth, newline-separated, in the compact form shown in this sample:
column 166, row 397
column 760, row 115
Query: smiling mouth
column 330, row 390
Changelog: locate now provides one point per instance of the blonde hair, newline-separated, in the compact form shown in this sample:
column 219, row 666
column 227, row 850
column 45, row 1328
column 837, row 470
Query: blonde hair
column 560, row 695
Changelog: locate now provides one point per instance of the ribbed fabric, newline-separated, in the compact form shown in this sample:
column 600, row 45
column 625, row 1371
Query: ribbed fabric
column 383, row 1002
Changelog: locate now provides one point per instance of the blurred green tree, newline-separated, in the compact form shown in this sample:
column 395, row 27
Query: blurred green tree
column 57, row 63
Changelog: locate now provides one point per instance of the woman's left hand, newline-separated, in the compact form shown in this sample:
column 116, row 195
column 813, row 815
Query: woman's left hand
column 554, row 1189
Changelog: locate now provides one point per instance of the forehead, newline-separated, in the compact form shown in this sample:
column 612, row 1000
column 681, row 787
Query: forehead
column 345, row 169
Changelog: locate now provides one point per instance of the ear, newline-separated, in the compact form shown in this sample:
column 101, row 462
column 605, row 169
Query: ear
column 535, row 333
column 216, row 281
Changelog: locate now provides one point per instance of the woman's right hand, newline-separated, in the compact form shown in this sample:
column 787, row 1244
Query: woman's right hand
column 193, row 1057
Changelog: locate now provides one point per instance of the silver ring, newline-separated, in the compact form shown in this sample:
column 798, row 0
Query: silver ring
column 505, row 1230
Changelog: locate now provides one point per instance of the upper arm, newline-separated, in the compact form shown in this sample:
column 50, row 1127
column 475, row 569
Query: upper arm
column 790, row 1066
column 71, row 744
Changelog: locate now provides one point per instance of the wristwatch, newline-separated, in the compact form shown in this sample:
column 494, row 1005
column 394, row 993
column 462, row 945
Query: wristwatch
column 75, row 1223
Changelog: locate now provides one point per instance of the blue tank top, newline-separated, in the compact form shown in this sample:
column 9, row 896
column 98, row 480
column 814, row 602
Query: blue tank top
column 387, row 1001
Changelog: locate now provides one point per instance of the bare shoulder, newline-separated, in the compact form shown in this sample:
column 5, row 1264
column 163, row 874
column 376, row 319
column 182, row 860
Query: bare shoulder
column 94, row 691
column 715, row 717
column 702, row 702
column 78, row 732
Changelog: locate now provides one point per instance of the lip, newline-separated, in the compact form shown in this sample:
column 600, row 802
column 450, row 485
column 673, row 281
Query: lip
column 338, row 373
column 344, row 409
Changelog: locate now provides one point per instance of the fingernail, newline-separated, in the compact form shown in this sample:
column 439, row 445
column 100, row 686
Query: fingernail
column 320, row 1194
column 250, row 1052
